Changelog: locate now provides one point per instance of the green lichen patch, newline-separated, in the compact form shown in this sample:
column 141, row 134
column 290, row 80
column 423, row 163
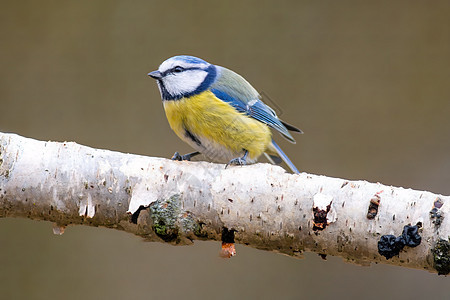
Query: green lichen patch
column 441, row 257
column 171, row 223
column 190, row 225
column 164, row 214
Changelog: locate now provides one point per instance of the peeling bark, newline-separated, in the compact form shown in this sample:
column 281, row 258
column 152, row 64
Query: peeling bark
column 265, row 207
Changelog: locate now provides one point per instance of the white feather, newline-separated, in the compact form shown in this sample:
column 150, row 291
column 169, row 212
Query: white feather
column 184, row 82
column 252, row 102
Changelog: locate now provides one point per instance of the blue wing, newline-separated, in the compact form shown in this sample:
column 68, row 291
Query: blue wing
column 235, row 90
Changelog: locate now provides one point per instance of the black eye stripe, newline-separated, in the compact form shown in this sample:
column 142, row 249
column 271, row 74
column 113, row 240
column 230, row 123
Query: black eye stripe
column 177, row 69
column 172, row 70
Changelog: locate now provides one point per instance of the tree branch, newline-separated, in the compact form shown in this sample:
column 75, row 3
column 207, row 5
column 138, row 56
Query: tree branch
column 265, row 207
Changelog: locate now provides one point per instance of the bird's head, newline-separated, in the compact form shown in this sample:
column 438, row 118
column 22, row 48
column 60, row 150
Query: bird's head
column 183, row 76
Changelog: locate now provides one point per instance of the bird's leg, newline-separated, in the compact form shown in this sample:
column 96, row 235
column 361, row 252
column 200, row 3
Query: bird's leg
column 239, row 161
column 187, row 157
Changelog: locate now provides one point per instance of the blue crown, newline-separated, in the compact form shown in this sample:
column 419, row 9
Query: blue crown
column 190, row 59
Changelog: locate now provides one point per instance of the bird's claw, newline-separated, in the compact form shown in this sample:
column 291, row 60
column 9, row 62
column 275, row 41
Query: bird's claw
column 178, row 157
column 237, row 162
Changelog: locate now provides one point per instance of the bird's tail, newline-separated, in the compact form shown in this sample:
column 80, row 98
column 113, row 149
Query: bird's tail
column 283, row 156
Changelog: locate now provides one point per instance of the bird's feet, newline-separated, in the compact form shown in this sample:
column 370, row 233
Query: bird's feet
column 239, row 161
column 177, row 156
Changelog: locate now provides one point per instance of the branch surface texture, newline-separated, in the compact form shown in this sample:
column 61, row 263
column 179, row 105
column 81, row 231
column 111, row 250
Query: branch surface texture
column 258, row 205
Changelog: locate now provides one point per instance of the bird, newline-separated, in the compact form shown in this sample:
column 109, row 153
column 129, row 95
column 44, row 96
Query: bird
column 219, row 113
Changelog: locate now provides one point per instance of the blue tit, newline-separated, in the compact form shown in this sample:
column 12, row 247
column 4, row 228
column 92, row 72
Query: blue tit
column 218, row 113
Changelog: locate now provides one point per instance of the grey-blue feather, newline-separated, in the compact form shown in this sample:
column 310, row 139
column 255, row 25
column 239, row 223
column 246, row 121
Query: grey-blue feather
column 235, row 90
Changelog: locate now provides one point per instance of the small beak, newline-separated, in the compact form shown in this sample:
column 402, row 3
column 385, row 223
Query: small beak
column 155, row 75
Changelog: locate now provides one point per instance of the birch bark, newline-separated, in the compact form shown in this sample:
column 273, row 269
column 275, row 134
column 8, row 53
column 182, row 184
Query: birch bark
column 265, row 207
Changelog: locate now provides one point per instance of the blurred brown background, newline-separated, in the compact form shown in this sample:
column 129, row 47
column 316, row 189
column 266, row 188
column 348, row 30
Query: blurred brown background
column 368, row 82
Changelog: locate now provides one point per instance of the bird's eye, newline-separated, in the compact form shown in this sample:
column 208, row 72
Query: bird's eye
column 178, row 69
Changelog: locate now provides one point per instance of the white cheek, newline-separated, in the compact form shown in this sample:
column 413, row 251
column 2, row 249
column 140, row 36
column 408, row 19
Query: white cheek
column 185, row 82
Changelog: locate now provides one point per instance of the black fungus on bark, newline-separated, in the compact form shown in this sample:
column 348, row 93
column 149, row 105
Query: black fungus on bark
column 390, row 246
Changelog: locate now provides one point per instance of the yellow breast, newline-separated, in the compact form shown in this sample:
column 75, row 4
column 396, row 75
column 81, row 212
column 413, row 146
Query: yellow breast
column 216, row 124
